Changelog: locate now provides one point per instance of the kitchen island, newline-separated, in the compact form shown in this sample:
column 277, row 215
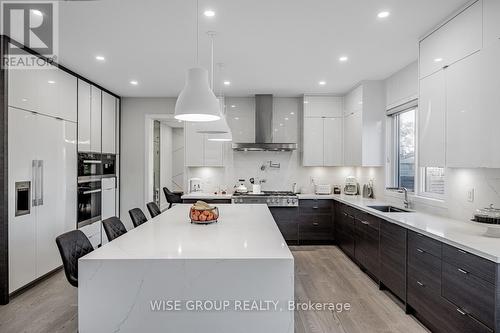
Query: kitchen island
column 168, row 275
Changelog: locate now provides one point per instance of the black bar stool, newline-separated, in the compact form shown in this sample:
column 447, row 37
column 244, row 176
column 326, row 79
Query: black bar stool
column 137, row 216
column 72, row 246
column 153, row 209
column 113, row 227
column 172, row 198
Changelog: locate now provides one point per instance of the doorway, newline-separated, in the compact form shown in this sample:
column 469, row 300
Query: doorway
column 156, row 162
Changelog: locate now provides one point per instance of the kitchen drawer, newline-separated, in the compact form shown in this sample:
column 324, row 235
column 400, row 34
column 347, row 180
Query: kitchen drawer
column 438, row 314
column 287, row 222
column 393, row 258
column 368, row 221
column 419, row 242
column 470, row 263
column 345, row 224
column 426, row 268
column 316, row 228
column 313, row 207
column 472, row 294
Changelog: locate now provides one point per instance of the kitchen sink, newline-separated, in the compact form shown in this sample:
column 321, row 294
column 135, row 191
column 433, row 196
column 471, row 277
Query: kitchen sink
column 390, row 209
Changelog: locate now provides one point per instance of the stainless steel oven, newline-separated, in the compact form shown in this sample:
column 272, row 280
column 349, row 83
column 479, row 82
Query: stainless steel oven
column 89, row 201
column 89, row 166
column 108, row 165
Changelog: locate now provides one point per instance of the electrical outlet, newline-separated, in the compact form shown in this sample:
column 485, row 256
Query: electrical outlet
column 470, row 195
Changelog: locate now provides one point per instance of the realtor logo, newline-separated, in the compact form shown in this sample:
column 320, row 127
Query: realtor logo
column 32, row 24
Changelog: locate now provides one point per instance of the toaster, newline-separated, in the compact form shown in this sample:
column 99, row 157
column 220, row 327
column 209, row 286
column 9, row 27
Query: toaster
column 323, row 189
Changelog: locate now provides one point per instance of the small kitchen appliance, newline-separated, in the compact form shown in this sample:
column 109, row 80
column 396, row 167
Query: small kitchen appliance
column 241, row 187
column 368, row 190
column 324, row 189
column 336, row 189
column 194, row 185
column 351, row 186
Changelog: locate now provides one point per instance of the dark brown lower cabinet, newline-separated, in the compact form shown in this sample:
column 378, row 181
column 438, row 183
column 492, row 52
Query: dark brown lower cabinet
column 344, row 230
column 393, row 258
column 210, row 201
column 366, row 240
column 316, row 221
column 287, row 220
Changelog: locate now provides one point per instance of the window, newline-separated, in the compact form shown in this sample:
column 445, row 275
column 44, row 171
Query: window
column 432, row 181
column 405, row 127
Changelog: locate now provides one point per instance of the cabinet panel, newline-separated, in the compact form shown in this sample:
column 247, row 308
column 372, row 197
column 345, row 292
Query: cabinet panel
column 353, row 101
column 475, row 265
column 315, row 228
column 393, row 258
column 313, row 142
column 95, row 119
column 287, row 221
column 431, row 120
column 332, row 142
column 84, row 102
column 491, row 23
column 194, row 154
column 322, row 106
column 455, row 40
column 353, row 134
column 213, row 153
column 464, row 124
column 108, row 123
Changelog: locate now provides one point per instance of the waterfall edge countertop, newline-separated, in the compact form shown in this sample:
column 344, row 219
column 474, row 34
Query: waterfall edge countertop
column 125, row 284
column 243, row 231
column 462, row 234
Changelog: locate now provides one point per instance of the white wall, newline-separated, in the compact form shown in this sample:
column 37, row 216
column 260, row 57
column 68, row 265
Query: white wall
column 133, row 155
column 166, row 149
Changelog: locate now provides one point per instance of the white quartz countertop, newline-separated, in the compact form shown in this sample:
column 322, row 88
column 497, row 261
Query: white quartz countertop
column 465, row 235
column 206, row 196
column 242, row 232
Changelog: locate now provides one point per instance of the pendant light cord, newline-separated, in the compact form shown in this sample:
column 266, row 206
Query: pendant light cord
column 197, row 31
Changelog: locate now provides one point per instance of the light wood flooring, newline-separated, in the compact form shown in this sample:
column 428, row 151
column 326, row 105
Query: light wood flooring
column 322, row 274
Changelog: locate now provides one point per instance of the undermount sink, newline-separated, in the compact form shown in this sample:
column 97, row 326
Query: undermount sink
column 390, row 209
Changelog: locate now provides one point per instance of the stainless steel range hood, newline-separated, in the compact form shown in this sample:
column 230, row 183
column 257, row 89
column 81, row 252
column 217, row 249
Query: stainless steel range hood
column 264, row 129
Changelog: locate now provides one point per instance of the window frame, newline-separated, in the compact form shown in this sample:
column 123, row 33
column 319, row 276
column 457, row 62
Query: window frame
column 395, row 144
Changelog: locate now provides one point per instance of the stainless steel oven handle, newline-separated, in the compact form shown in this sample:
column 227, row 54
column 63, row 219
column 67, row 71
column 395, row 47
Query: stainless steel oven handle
column 91, row 162
column 92, row 191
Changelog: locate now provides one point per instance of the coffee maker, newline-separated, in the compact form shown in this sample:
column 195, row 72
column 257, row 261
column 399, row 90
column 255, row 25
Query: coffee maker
column 351, row 186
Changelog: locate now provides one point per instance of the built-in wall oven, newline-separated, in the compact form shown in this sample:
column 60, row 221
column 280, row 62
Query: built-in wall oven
column 89, row 201
column 89, row 165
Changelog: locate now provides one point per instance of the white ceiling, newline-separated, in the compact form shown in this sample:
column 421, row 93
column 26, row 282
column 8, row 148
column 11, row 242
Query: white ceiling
column 282, row 47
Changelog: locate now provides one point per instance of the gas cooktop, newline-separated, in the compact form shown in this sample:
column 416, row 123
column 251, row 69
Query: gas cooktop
column 267, row 193
column 271, row 198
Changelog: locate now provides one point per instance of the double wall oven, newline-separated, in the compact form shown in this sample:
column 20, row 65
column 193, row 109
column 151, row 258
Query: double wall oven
column 92, row 167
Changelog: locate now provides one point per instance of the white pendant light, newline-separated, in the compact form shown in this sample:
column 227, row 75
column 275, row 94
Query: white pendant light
column 197, row 102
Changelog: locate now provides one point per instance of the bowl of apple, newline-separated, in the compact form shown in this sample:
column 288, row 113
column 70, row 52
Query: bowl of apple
column 203, row 213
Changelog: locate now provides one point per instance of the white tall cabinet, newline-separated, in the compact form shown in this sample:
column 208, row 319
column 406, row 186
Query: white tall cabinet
column 364, row 123
column 42, row 156
column 458, row 113
column 89, row 117
column 322, row 131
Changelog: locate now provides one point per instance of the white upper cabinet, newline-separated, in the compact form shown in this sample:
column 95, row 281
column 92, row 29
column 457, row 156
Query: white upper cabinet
column 491, row 22
column 364, row 125
column 464, row 135
column 456, row 39
column 95, row 119
column 108, row 123
column 322, row 106
column 353, row 102
column 199, row 151
column 313, row 142
column 285, row 124
column 48, row 91
column 333, row 141
column 240, row 116
column 431, row 120
column 402, row 87
column 83, row 116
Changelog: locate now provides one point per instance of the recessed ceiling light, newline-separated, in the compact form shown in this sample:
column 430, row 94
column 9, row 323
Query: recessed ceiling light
column 51, row 82
column 179, row 121
column 233, row 106
column 383, row 14
column 292, row 112
column 100, row 58
column 227, row 83
column 236, row 118
column 134, row 82
column 438, row 59
column 209, row 13
column 286, row 118
column 343, row 58
column 37, row 12
column 322, row 83
column 306, row 102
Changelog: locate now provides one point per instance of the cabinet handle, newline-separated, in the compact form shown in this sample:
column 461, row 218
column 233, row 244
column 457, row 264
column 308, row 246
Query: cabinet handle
column 462, row 312
column 365, row 222
column 315, row 207
column 419, row 235
column 462, row 251
column 315, row 224
column 420, row 284
column 463, row 271
column 420, row 250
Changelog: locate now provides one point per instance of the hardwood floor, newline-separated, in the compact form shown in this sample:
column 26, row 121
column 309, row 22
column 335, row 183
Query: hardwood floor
column 323, row 274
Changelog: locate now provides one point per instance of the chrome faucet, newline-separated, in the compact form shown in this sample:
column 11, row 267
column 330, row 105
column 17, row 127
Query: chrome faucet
column 401, row 190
